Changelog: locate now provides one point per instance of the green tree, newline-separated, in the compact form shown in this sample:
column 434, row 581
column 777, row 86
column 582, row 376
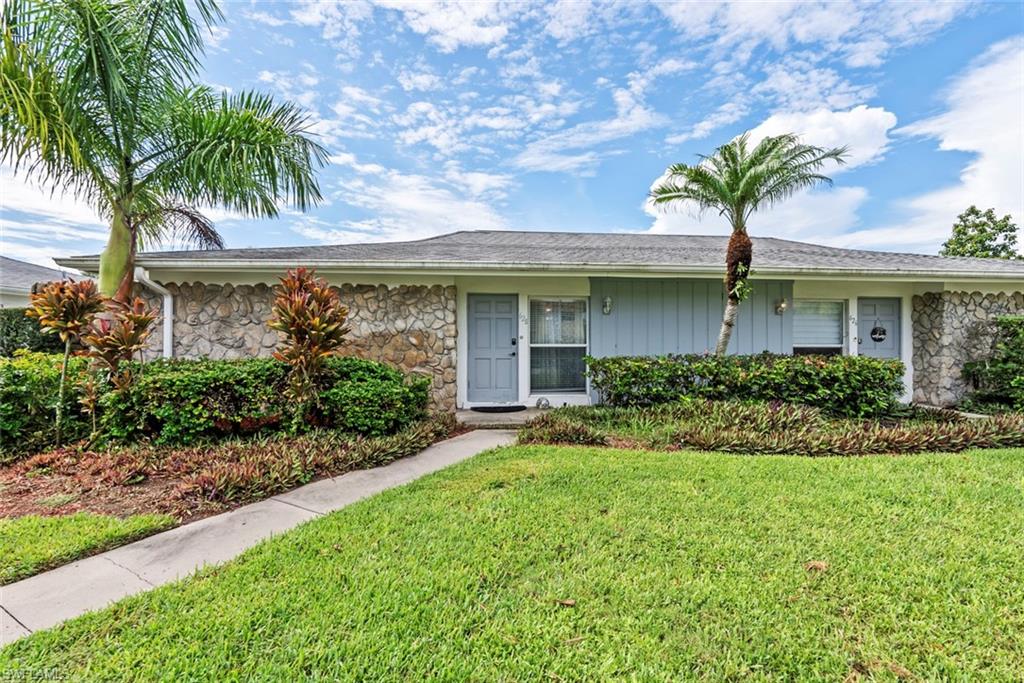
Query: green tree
column 982, row 234
column 98, row 98
column 735, row 181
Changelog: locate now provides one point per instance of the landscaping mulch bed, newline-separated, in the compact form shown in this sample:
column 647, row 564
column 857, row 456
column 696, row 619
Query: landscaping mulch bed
column 193, row 482
column 60, row 494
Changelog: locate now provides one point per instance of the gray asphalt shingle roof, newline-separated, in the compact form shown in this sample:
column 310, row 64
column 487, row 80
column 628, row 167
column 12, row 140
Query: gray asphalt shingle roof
column 20, row 275
column 586, row 250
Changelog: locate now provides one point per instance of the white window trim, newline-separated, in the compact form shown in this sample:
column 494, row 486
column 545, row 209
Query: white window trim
column 570, row 396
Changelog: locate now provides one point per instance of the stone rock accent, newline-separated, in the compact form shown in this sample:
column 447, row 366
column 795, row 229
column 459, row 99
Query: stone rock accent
column 950, row 329
column 408, row 326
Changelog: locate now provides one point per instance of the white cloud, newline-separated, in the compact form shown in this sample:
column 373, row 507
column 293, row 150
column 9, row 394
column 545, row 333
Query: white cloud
column 984, row 111
column 862, row 33
column 215, row 37
column 360, row 96
column 569, row 19
column 28, row 197
column 797, row 84
column 632, row 115
column 421, row 80
column 549, row 153
column 402, row 206
column 348, row 159
column 339, row 21
column 727, row 113
column 451, row 24
column 267, row 19
column 48, row 221
column 863, row 129
column 467, row 74
column 299, row 88
column 477, row 183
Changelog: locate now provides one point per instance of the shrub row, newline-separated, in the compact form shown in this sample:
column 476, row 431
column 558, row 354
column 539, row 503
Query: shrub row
column 853, row 386
column 185, row 401
column 773, row 428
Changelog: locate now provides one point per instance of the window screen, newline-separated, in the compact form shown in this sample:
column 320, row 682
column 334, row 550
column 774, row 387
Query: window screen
column 558, row 344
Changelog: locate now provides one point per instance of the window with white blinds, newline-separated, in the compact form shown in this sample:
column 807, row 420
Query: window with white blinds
column 818, row 326
column 558, row 344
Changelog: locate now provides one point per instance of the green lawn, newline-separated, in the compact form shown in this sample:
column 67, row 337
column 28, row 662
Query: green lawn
column 30, row 544
column 542, row 563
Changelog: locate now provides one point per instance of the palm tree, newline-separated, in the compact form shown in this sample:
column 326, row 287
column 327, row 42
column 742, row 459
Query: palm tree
column 736, row 181
column 98, row 98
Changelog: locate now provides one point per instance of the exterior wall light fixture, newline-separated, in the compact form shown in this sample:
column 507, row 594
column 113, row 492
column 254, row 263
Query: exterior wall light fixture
column 606, row 305
column 781, row 307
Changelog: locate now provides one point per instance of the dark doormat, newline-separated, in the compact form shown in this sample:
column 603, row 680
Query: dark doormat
column 498, row 409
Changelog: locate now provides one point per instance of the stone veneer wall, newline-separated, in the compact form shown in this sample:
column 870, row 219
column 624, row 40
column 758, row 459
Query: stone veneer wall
column 409, row 326
column 951, row 328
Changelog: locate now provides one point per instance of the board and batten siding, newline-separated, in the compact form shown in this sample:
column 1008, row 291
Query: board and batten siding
column 656, row 316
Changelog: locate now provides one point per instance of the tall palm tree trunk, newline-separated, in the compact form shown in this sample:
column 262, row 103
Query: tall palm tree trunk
column 737, row 266
column 117, row 260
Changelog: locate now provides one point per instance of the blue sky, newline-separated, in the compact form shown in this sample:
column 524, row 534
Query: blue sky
column 494, row 115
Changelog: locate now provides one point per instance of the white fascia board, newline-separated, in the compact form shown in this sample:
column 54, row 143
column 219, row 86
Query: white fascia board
column 525, row 269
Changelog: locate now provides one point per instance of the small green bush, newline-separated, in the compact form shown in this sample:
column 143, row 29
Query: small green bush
column 999, row 379
column 18, row 331
column 29, row 390
column 370, row 398
column 854, row 386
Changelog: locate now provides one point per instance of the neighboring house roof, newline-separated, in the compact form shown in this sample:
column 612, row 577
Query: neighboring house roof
column 19, row 276
column 515, row 250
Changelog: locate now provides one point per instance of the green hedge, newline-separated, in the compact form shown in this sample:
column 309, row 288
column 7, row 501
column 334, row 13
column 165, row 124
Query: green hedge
column 180, row 401
column 999, row 379
column 184, row 401
column 854, row 386
column 28, row 400
column 18, row 331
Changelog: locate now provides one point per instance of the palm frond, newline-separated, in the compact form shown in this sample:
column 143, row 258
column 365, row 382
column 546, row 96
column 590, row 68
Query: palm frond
column 736, row 179
column 179, row 224
column 243, row 151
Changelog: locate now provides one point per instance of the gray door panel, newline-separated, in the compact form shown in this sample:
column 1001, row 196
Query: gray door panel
column 493, row 368
column 878, row 328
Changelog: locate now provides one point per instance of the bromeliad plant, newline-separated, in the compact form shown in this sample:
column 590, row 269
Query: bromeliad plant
column 312, row 319
column 65, row 308
column 117, row 340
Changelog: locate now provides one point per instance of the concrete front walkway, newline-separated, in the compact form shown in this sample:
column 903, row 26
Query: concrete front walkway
column 52, row 597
